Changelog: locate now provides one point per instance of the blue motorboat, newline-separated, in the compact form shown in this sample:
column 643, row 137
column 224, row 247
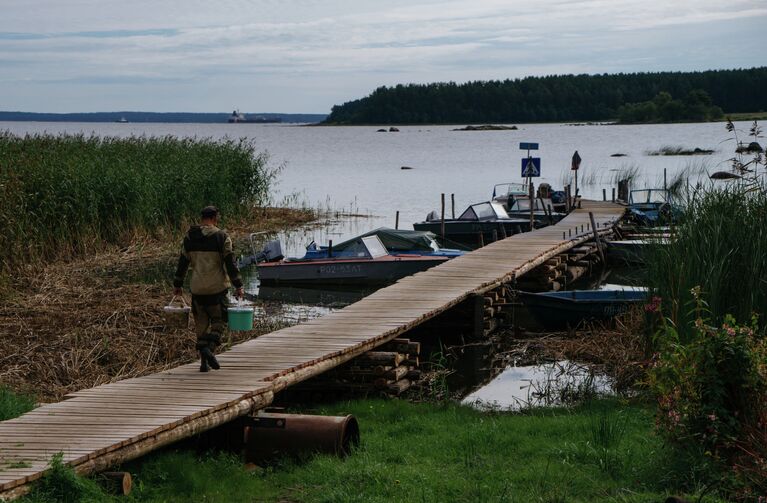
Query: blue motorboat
column 369, row 264
column 396, row 242
column 650, row 207
column 559, row 310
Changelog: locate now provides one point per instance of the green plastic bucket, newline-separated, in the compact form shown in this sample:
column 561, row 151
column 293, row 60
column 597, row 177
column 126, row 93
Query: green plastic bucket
column 240, row 318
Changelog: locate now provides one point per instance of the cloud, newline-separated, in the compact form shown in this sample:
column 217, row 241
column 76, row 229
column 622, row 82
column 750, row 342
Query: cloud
column 245, row 43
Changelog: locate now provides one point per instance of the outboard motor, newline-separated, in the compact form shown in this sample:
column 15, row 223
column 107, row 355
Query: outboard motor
column 432, row 216
column 272, row 252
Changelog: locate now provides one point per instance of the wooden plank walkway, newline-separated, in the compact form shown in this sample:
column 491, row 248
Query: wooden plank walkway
column 99, row 427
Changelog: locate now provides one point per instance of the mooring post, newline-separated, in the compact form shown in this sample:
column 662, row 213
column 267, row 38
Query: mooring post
column 396, row 220
column 543, row 207
column 442, row 224
column 597, row 238
column 452, row 203
column 531, row 196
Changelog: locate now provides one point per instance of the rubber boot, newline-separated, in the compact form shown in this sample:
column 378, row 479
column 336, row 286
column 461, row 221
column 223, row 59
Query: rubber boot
column 210, row 358
column 203, row 362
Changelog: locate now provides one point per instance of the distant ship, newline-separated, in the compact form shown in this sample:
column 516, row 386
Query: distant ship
column 238, row 117
column 121, row 120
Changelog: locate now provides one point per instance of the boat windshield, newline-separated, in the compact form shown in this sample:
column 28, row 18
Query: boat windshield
column 645, row 196
column 484, row 211
column 374, row 246
column 524, row 205
column 505, row 189
column 366, row 247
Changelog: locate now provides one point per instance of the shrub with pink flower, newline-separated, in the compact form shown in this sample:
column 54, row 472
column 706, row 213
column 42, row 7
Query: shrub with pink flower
column 712, row 391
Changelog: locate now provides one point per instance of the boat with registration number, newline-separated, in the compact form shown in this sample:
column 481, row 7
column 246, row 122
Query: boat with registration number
column 369, row 264
column 558, row 310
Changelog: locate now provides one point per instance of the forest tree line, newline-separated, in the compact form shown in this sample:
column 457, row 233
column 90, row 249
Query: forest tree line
column 553, row 98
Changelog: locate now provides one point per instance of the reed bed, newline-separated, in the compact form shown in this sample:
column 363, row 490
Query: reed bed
column 97, row 319
column 65, row 195
column 721, row 246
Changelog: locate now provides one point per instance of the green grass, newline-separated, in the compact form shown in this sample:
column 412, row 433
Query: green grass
column 745, row 116
column 603, row 451
column 14, row 404
column 66, row 194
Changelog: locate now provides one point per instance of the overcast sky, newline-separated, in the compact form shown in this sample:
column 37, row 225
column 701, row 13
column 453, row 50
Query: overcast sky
column 307, row 55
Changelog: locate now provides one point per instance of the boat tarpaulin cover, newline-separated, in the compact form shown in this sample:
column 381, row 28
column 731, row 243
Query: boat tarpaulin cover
column 394, row 239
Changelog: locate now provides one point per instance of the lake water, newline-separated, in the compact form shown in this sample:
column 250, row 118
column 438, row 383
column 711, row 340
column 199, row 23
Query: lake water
column 546, row 385
column 357, row 169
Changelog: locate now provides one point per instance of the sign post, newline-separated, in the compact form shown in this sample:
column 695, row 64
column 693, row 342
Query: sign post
column 531, row 167
column 576, row 163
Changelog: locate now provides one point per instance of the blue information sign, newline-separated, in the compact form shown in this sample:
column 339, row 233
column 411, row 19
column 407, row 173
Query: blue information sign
column 528, row 146
column 531, row 166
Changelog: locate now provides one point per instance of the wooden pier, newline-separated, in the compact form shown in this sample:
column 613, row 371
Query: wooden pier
column 97, row 428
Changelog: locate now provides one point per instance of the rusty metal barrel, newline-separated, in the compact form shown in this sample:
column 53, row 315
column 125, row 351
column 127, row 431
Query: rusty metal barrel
column 269, row 435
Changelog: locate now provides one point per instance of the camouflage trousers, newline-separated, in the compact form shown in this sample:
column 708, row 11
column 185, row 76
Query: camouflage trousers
column 209, row 320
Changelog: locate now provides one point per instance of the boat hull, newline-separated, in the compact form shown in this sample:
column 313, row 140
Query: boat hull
column 560, row 310
column 468, row 232
column 342, row 271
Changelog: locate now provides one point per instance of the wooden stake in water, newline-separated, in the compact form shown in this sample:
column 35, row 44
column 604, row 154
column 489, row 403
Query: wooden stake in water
column 604, row 194
column 330, row 248
column 396, row 220
column 442, row 224
column 665, row 186
column 452, row 201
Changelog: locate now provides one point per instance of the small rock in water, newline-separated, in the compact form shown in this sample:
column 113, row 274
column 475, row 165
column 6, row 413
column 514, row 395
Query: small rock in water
column 381, row 131
column 618, row 155
column 393, row 130
column 724, row 175
column 406, row 167
column 487, row 127
column 752, row 147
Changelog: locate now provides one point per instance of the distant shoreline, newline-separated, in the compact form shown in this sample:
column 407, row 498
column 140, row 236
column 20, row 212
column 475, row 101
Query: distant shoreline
column 154, row 117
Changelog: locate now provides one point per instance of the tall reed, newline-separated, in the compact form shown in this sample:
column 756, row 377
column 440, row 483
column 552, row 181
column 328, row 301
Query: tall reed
column 721, row 246
column 62, row 195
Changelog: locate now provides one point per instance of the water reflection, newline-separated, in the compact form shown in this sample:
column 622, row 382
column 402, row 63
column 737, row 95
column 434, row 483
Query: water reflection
column 550, row 384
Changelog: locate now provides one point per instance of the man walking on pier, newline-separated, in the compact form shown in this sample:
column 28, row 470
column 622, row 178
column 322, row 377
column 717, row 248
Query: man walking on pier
column 208, row 250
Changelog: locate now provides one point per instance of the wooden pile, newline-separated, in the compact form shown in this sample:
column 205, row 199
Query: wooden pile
column 391, row 369
column 557, row 272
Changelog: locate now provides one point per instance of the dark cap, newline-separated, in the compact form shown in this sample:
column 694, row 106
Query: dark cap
column 209, row 212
